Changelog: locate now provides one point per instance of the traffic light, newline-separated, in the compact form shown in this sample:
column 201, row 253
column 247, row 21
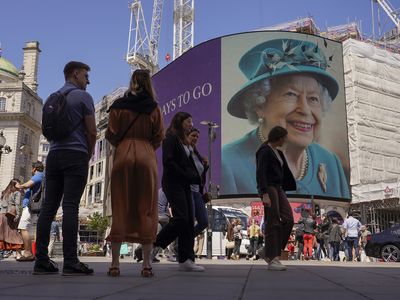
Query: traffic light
column 317, row 210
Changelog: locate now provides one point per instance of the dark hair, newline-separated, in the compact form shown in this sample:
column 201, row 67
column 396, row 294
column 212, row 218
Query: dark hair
column 38, row 165
column 350, row 213
column 276, row 133
column 335, row 220
column 194, row 130
column 141, row 80
column 176, row 124
column 72, row 66
column 7, row 190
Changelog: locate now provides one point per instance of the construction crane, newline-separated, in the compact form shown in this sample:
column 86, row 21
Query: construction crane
column 183, row 26
column 392, row 13
column 143, row 49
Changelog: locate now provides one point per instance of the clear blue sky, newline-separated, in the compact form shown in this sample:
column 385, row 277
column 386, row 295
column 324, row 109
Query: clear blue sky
column 96, row 32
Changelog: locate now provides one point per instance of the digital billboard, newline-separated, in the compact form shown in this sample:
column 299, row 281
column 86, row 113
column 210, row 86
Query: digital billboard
column 249, row 82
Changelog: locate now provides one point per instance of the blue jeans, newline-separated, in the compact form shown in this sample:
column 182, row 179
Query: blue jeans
column 335, row 251
column 200, row 213
column 350, row 243
column 66, row 174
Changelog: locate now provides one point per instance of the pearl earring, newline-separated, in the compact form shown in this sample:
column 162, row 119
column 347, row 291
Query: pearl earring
column 260, row 120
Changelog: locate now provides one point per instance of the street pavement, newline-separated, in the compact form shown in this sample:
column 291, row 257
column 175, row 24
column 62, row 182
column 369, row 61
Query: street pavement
column 223, row 279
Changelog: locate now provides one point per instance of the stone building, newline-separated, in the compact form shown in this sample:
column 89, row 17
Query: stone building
column 95, row 191
column 20, row 115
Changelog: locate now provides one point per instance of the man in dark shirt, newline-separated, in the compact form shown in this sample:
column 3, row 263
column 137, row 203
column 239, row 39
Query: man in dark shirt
column 66, row 174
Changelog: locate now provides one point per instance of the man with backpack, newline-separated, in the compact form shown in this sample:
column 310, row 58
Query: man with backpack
column 68, row 122
column 28, row 218
column 299, row 241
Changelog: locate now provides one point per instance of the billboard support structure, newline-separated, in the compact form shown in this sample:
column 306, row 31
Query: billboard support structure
column 211, row 139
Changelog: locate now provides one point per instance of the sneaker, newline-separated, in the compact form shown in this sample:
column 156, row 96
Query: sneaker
column 45, row 267
column 275, row 265
column 190, row 266
column 78, row 269
column 172, row 259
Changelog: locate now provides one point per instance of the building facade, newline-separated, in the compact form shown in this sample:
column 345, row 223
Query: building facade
column 20, row 115
column 95, row 192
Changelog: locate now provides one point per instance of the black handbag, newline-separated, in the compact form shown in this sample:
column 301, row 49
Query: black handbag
column 36, row 199
column 207, row 197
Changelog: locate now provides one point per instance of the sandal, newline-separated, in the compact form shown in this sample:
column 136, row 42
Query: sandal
column 147, row 272
column 113, row 272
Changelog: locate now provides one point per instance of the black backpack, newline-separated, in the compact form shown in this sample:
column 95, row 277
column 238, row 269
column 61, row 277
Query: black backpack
column 299, row 232
column 56, row 122
column 36, row 199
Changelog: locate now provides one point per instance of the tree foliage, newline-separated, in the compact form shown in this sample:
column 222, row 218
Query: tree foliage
column 98, row 223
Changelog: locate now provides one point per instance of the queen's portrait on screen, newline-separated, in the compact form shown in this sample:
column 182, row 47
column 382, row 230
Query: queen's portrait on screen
column 291, row 82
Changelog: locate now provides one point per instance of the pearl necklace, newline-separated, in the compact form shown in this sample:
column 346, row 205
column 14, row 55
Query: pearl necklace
column 261, row 136
column 304, row 162
column 304, row 166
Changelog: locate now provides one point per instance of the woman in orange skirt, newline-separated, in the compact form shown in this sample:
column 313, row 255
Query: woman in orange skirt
column 10, row 238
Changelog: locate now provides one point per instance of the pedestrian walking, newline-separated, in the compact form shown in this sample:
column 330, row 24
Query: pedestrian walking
column 179, row 172
column 323, row 236
column 54, row 237
column 308, row 236
column 364, row 233
column 135, row 129
column 66, row 168
column 299, row 241
column 28, row 217
column 273, row 179
column 335, row 238
column 237, row 236
column 10, row 201
column 351, row 227
column 253, row 232
column 230, row 240
column 201, row 163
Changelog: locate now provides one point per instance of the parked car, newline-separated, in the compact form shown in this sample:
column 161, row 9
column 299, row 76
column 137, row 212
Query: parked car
column 221, row 215
column 385, row 245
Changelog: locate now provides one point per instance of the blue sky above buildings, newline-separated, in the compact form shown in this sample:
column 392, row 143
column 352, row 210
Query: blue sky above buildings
column 96, row 32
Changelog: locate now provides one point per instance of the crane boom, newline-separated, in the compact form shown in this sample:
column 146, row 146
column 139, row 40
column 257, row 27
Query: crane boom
column 183, row 26
column 390, row 11
column 155, row 30
column 139, row 54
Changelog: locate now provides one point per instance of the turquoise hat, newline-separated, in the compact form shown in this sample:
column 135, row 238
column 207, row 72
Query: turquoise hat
column 281, row 57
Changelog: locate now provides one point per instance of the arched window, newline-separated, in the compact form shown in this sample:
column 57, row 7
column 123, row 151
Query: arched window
column 2, row 104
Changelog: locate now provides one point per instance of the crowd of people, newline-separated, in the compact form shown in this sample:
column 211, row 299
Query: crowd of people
column 325, row 241
column 17, row 218
column 141, row 213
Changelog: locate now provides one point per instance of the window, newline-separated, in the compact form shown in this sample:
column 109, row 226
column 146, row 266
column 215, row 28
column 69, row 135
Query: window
column 91, row 172
column 218, row 221
column 2, row 104
column 99, row 169
column 90, row 193
column 45, row 147
column 101, row 148
column 97, row 192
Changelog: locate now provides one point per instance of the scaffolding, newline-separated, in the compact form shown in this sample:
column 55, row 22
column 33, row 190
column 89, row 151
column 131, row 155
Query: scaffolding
column 303, row 25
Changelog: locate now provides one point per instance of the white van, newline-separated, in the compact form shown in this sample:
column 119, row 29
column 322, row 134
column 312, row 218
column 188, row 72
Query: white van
column 221, row 215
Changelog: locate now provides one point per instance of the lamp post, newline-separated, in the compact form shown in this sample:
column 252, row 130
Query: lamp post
column 3, row 147
column 211, row 138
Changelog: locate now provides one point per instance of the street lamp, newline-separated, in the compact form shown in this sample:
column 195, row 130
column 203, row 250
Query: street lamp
column 211, row 189
column 3, row 147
